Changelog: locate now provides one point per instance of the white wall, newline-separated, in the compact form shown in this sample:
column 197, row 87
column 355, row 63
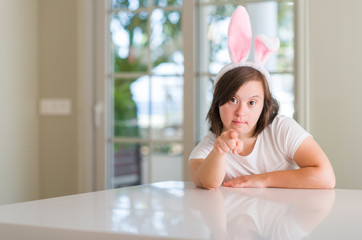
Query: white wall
column 336, row 85
column 58, row 78
column 38, row 59
column 19, row 166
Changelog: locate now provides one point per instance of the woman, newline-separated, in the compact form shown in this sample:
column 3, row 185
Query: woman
column 249, row 144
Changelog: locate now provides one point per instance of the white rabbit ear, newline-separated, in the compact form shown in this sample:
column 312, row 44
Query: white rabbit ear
column 239, row 35
column 263, row 48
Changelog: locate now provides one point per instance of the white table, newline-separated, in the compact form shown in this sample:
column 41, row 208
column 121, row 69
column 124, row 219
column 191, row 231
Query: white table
column 178, row 210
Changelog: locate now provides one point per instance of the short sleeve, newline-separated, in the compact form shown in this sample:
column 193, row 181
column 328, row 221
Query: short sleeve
column 290, row 134
column 203, row 149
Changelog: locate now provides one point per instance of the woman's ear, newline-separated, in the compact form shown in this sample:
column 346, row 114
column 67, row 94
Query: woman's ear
column 239, row 35
column 263, row 48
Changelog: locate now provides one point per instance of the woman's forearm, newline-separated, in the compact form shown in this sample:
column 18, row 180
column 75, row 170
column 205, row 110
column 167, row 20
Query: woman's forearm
column 307, row 177
column 211, row 171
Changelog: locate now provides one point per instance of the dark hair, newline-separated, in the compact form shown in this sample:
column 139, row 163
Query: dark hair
column 226, row 88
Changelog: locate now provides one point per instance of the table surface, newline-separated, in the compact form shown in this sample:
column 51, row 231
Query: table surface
column 179, row 210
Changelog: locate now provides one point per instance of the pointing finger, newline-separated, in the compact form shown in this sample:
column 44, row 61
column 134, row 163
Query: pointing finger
column 233, row 134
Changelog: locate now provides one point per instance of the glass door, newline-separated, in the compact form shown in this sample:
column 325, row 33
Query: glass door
column 145, row 92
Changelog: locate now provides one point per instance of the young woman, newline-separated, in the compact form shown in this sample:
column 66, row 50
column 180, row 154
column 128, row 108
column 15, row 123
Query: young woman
column 249, row 144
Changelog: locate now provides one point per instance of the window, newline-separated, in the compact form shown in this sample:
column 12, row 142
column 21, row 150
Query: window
column 146, row 79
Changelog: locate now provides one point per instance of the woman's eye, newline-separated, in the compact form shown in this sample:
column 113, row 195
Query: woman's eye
column 252, row 103
column 233, row 100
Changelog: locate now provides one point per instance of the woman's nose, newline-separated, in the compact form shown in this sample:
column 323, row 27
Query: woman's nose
column 240, row 109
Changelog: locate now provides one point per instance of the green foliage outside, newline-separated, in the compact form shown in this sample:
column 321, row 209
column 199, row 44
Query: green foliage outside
column 125, row 109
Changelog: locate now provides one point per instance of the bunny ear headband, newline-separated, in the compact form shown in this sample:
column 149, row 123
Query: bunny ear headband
column 239, row 41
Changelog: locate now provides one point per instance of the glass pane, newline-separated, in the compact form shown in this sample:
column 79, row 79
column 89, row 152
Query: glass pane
column 129, row 4
column 130, row 39
column 276, row 21
column 166, row 41
column 166, row 3
column 140, row 90
column 167, row 162
column 204, row 99
column 286, row 36
column 212, row 35
column 126, row 170
column 282, row 87
column 270, row 18
column 264, row 20
column 129, row 111
column 167, row 107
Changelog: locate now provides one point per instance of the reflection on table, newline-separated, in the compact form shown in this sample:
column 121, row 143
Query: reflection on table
column 182, row 210
column 178, row 210
column 262, row 213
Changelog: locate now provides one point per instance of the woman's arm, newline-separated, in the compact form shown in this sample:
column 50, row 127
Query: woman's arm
column 209, row 173
column 315, row 171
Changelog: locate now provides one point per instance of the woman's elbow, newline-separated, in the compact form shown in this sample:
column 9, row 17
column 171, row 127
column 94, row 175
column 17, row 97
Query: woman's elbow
column 206, row 184
column 210, row 186
column 331, row 183
column 329, row 180
column 327, row 185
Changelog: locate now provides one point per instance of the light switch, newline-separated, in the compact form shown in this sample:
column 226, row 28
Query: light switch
column 55, row 107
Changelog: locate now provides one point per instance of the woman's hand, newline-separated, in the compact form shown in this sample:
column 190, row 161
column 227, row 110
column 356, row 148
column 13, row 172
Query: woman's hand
column 248, row 181
column 228, row 141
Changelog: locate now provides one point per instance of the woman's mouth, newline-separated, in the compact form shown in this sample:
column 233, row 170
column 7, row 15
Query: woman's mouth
column 240, row 123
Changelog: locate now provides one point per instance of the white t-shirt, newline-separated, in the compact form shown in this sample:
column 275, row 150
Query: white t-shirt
column 274, row 149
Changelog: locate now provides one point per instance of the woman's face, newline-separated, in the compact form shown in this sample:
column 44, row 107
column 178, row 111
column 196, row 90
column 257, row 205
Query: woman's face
column 242, row 111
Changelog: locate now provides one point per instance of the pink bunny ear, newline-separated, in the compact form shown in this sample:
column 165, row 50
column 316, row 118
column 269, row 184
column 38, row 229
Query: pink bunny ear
column 264, row 47
column 239, row 35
